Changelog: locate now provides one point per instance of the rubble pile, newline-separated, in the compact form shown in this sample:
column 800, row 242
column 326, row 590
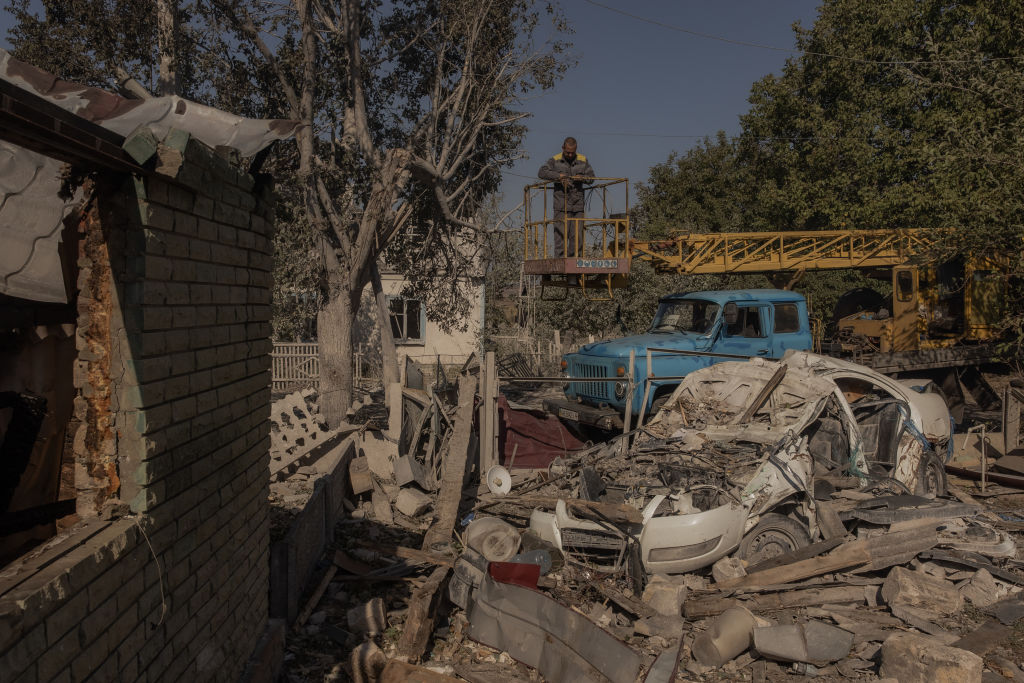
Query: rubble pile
column 775, row 519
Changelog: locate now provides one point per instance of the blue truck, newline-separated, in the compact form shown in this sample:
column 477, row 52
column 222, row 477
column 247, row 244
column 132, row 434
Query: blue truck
column 708, row 327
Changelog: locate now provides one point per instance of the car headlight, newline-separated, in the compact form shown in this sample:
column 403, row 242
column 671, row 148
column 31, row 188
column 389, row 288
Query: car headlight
column 620, row 389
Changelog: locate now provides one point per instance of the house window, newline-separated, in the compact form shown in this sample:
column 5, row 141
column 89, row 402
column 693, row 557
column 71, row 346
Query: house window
column 408, row 320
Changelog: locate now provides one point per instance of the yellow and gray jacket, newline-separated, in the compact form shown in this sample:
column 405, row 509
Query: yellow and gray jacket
column 579, row 167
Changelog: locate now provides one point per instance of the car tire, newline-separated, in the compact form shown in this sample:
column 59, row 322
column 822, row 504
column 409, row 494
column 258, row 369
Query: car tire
column 931, row 477
column 774, row 535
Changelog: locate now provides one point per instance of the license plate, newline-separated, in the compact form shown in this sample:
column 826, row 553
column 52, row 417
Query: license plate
column 568, row 414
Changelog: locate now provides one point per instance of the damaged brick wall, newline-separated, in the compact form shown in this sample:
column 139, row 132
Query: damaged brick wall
column 95, row 444
column 174, row 390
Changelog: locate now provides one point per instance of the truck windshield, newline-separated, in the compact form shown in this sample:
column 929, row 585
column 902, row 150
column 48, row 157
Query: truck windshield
column 685, row 316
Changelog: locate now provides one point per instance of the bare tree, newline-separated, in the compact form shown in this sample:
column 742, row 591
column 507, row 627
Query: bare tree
column 407, row 118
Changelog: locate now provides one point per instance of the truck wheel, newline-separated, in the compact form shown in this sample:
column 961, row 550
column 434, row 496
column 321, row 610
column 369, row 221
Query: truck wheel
column 774, row 535
column 931, row 477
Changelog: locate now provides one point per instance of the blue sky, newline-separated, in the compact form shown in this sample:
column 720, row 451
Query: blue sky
column 641, row 90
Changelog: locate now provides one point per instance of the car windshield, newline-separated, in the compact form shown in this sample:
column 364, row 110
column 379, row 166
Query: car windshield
column 685, row 316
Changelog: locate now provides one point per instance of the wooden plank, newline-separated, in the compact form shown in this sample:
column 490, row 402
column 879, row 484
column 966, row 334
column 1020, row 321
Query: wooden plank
column 710, row 606
column 850, row 555
column 631, row 605
column 401, row 672
column 762, row 396
column 419, row 622
column 314, row 599
column 805, row 553
column 446, row 509
column 409, row 553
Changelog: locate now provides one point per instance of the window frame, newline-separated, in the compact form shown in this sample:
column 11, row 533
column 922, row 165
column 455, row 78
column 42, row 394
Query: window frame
column 777, row 317
column 405, row 340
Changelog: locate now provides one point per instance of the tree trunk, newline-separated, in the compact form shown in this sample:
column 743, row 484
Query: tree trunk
column 335, row 323
column 388, row 354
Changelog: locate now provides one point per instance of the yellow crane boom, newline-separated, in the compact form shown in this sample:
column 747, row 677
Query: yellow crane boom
column 760, row 252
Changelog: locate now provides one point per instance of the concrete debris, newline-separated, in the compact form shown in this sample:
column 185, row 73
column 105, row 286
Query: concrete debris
column 728, row 568
column 913, row 589
column 664, row 595
column 792, row 542
column 907, row 657
column 981, row 589
column 413, row 503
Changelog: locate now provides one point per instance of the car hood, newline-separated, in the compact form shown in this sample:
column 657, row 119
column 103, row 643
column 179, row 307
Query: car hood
column 639, row 343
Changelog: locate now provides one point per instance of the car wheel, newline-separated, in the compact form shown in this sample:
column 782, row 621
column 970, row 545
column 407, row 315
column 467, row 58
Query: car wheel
column 931, row 477
column 774, row 535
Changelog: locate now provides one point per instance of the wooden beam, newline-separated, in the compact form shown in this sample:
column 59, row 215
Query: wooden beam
column 419, row 622
column 446, row 509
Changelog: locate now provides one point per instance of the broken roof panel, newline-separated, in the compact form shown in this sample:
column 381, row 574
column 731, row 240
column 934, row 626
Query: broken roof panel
column 31, row 213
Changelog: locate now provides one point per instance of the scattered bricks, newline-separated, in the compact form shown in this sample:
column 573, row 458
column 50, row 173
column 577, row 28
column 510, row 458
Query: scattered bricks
column 915, row 589
column 413, row 503
column 909, row 657
column 664, row 595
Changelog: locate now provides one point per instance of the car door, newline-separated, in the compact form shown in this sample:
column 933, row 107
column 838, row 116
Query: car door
column 750, row 334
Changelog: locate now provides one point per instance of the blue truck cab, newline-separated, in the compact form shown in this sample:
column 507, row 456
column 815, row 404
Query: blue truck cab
column 711, row 326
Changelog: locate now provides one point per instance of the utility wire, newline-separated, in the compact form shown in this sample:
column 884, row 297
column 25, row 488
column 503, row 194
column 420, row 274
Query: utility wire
column 791, row 50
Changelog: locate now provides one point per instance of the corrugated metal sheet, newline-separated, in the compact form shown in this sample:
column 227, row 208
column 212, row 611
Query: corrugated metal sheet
column 31, row 213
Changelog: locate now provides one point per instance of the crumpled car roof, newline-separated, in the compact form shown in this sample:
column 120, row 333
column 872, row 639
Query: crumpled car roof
column 31, row 213
column 809, row 380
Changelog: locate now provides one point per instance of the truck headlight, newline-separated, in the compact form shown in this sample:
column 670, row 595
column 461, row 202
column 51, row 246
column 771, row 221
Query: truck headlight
column 620, row 389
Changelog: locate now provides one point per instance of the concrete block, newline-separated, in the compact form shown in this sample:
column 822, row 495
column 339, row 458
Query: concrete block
column 728, row 568
column 908, row 657
column 664, row 595
column 140, row 144
column 915, row 589
column 382, row 508
column 379, row 453
column 359, row 475
column 981, row 589
column 412, row 503
column 408, row 470
column 660, row 625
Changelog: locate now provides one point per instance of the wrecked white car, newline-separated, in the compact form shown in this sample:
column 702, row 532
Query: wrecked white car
column 746, row 456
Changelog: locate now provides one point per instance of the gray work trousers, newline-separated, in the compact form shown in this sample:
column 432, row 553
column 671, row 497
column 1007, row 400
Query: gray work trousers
column 565, row 234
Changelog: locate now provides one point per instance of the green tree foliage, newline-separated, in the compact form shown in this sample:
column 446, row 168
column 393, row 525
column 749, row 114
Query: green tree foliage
column 904, row 114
